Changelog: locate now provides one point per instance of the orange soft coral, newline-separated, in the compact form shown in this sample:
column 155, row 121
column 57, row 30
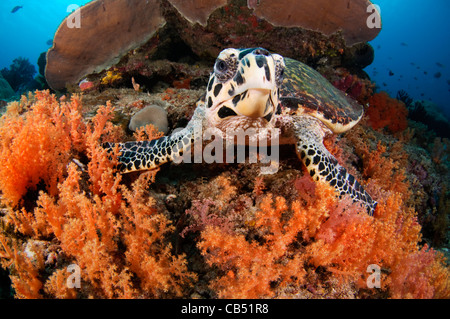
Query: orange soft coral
column 381, row 169
column 298, row 240
column 148, row 251
column 321, row 231
column 348, row 242
column 251, row 267
column 90, row 236
column 385, row 111
column 36, row 146
column 112, row 232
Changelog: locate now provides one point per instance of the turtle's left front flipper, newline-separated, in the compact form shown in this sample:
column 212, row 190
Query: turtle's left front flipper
column 322, row 165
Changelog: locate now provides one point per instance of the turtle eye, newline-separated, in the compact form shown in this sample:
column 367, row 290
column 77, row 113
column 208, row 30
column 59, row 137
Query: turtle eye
column 225, row 67
column 221, row 66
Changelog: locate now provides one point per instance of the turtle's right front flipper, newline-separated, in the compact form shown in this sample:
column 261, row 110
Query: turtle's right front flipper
column 138, row 156
column 144, row 155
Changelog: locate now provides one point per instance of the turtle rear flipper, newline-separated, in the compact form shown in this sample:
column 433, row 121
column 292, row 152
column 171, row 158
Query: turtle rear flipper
column 323, row 166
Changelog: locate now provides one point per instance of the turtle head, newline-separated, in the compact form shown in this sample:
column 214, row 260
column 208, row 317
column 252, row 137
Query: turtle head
column 243, row 90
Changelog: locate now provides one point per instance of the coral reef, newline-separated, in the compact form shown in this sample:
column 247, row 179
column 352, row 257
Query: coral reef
column 273, row 25
column 308, row 15
column 165, row 29
column 72, row 227
column 229, row 26
column 387, row 112
column 216, row 230
column 427, row 113
column 359, row 89
column 27, row 163
column 301, row 248
column 82, row 214
column 20, row 73
column 359, row 56
column 6, row 90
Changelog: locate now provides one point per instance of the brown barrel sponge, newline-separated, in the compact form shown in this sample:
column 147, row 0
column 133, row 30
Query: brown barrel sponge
column 151, row 114
column 109, row 29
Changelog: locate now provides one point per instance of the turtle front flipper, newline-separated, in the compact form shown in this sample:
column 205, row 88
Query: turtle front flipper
column 144, row 155
column 322, row 165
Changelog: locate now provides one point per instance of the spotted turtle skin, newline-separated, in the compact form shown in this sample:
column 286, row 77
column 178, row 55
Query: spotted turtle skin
column 253, row 89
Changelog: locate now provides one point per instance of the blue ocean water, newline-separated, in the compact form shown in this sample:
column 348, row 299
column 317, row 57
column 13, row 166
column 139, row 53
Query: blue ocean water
column 26, row 32
column 411, row 52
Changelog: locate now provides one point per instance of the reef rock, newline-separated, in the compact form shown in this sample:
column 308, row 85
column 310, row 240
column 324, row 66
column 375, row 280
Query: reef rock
column 290, row 27
column 358, row 56
column 137, row 32
column 5, row 89
column 325, row 16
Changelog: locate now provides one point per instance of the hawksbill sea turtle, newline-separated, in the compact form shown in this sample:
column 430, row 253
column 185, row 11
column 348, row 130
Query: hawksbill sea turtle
column 255, row 89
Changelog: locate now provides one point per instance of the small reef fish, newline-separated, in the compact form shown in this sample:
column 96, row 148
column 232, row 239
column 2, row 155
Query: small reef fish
column 391, row 73
column 437, row 75
column 49, row 42
column 16, row 8
column 440, row 65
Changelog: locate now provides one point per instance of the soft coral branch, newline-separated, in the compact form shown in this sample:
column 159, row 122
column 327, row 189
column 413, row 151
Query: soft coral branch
column 114, row 234
column 37, row 146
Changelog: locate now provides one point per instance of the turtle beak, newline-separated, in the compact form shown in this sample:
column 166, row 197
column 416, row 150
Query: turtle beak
column 254, row 103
